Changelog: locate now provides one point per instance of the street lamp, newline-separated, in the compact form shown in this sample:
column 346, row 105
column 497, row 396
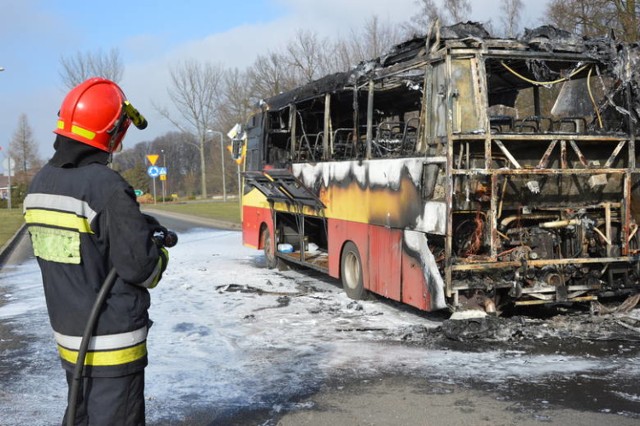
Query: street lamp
column 164, row 165
column 203, row 176
column 224, row 185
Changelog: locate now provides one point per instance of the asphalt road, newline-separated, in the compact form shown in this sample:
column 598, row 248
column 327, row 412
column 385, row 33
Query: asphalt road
column 404, row 396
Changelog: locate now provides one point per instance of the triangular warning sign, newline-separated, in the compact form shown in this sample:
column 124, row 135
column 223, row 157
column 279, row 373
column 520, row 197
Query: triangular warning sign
column 153, row 158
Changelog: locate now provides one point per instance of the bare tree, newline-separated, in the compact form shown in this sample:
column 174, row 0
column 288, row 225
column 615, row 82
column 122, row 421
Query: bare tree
column 269, row 76
column 178, row 154
column 457, row 10
column 23, row 148
column 306, row 57
column 371, row 41
column 628, row 12
column 195, row 92
column 377, row 37
column 596, row 17
column 510, row 18
column 235, row 105
column 428, row 12
column 83, row 65
column 342, row 57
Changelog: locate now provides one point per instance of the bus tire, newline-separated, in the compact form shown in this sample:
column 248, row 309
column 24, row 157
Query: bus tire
column 351, row 272
column 269, row 248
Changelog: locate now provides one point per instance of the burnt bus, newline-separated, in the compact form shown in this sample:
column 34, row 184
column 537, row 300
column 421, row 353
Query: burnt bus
column 457, row 170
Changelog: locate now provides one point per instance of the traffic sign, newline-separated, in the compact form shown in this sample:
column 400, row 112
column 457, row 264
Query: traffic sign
column 138, row 192
column 163, row 177
column 163, row 171
column 153, row 171
column 153, row 158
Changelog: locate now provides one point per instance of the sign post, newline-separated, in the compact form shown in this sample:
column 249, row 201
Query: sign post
column 154, row 172
column 163, row 178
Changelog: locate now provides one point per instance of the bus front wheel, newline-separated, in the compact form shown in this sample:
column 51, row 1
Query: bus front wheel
column 351, row 272
column 268, row 247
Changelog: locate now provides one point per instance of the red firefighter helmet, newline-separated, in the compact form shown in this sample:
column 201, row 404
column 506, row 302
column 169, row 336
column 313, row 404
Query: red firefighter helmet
column 94, row 113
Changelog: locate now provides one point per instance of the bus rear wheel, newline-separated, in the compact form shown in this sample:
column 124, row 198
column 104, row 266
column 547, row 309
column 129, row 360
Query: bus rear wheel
column 269, row 248
column 351, row 272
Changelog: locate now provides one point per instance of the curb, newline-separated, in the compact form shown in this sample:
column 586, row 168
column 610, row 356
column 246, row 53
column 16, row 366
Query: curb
column 6, row 249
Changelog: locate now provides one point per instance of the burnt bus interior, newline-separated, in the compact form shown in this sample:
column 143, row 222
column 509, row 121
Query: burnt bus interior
column 541, row 201
column 538, row 141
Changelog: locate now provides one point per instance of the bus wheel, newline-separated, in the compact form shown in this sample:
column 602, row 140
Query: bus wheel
column 351, row 272
column 268, row 247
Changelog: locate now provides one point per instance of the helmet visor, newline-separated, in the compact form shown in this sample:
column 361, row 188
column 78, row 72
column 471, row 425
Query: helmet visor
column 118, row 131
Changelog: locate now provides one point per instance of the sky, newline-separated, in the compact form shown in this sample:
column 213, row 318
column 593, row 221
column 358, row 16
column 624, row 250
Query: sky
column 255, row 338
column 152, row 36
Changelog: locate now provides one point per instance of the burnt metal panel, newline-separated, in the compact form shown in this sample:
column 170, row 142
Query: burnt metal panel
column 282, row 186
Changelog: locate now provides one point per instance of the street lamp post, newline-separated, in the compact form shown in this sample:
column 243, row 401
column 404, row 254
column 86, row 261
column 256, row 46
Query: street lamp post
column 224, row 184
column 164, row 165
column 203, row 176
column 9, row 182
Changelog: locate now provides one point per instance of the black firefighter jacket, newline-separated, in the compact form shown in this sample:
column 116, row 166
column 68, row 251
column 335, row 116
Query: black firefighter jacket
column 83, row 219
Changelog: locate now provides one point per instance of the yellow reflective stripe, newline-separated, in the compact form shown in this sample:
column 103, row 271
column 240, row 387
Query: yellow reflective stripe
column 83, row 132
column 59, row 219
column 60, row 124
column 106, row 358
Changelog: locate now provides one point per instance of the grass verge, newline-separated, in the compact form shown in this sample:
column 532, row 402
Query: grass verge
column 10, row 222
column 227, row 211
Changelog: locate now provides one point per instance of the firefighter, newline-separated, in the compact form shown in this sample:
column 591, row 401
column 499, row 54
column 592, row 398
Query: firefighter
column 84, row 220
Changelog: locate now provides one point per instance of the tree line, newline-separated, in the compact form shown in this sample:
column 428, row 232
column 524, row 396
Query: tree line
column 208, row 98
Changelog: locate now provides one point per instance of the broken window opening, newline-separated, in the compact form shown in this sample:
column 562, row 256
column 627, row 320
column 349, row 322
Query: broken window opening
column 546, row 96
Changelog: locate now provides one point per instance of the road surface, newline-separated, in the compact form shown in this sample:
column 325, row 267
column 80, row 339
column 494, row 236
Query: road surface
column 237, row 344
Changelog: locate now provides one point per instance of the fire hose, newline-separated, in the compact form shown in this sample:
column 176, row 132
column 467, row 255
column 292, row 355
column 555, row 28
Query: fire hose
column 163, row 238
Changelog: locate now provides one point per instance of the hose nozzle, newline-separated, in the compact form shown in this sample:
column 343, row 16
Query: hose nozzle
column 165, row 238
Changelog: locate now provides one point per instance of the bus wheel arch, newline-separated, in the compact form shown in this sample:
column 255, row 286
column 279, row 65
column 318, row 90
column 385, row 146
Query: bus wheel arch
column 268, row 246
column 351, row 272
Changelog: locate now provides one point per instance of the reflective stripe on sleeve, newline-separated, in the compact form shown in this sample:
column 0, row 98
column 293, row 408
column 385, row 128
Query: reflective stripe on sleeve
column 154, row 278
column 104, row 343
column 59, row 202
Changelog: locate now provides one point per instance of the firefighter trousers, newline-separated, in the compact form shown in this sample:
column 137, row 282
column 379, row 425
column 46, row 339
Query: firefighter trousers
column 109, row 401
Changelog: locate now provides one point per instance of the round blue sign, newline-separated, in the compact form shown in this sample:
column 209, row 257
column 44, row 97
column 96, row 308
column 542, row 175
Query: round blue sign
column 153, row 171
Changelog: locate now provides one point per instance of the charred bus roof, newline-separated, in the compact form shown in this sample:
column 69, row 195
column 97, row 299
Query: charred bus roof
column 541, row 54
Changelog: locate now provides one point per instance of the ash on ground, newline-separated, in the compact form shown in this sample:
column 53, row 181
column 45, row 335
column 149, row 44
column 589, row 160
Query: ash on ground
column 555, row 330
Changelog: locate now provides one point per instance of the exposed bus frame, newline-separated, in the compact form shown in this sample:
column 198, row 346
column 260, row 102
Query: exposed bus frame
column 587, row 156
